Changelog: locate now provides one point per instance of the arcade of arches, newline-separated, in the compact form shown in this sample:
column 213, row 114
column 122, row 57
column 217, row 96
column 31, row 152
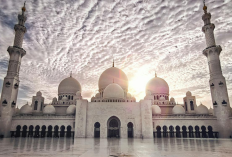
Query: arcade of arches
column 42, row 131
column 185, row 132
column 113, row 130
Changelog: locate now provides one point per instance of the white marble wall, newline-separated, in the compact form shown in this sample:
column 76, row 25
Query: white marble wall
column 125, row 111
column 146, row 118
column 80, row 121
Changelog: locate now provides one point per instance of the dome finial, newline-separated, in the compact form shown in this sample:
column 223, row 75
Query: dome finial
column 71, row 74
column 155, row 74
column 24, row 8
column 113, row 80
column 113, row 62
column 205, row 7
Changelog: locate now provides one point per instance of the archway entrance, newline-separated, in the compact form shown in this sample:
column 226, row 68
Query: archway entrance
column 43, row 131
column 210, row 132
column 56, row 131
column 49, row 134
column 24, row 134
column 113, row 126
column 69, row 131
column 97, row 130
column 165, row 131
column 130, row 130
column 37, row 131
column 18, row 130
column 171, row 128
column 30, row 134
column 62, row 131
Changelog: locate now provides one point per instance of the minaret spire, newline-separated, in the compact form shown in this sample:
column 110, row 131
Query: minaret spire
column 23, row 8
column 205, row 7
column 11, row 81
column 217, row 81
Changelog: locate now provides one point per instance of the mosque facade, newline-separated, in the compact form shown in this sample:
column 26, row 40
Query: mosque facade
column 113, row 111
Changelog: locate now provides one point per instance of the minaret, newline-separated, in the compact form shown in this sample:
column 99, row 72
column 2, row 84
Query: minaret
column 11, row 81
column 217, row 81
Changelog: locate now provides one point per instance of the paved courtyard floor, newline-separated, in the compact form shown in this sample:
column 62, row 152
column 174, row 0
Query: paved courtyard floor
column 88, row 147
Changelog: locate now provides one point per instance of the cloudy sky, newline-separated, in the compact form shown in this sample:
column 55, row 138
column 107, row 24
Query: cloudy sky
column 143, row 36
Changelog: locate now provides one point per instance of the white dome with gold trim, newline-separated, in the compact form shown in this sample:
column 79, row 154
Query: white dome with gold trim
column 71, row 110
column 156, row 110
column 113, row 91
column 49, row 109
column 115, row 75
column 202, row 110
column 26, row 109
column 157, row 85
column 178, row 109
column 69, row 86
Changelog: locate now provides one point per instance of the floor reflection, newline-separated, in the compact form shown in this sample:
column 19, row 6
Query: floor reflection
column 114, row 147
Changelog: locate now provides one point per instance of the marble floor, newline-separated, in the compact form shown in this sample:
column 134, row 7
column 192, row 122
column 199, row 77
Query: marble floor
column 88, row 147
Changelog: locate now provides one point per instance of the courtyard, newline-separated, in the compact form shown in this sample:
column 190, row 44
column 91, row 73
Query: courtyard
column 115, row 147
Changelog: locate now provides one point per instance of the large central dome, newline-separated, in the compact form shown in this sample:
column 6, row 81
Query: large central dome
column 157, row 85
column 111, row 75
column 113, row 91
column 69, row 86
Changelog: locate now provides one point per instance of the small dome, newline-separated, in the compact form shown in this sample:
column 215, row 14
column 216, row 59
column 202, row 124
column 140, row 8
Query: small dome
column 178, row 109
column 69, row 86
column 38, row 93
column 49, row 109
column 17, row 111
column 26, row 109
column 128, row 95
column 97, row 95
column 211, row 111
column 78, row 93
column 71, row 110
column 148, row 92
column 188, row 93
column 172, row 99
column 113, row 91
column 149, row 97
column 162, row 99
column 202, row 109
column 54, row 100
column 111, row 74
column 156, row 109
column 65, row 98
column 157, row 86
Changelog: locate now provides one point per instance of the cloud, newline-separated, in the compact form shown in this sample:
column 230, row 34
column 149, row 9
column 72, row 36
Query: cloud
column 142, row 37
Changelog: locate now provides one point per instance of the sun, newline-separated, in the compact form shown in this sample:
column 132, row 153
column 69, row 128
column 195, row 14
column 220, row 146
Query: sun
column 137, row 84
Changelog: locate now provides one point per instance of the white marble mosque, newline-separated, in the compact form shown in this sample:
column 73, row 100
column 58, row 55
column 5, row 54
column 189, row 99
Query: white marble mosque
column 113, row 112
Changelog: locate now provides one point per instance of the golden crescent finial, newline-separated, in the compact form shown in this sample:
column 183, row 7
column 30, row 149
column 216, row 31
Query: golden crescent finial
column 204, row 7
column 24, row 8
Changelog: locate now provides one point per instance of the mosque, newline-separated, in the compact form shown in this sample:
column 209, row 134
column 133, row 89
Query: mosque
column 113, row 112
